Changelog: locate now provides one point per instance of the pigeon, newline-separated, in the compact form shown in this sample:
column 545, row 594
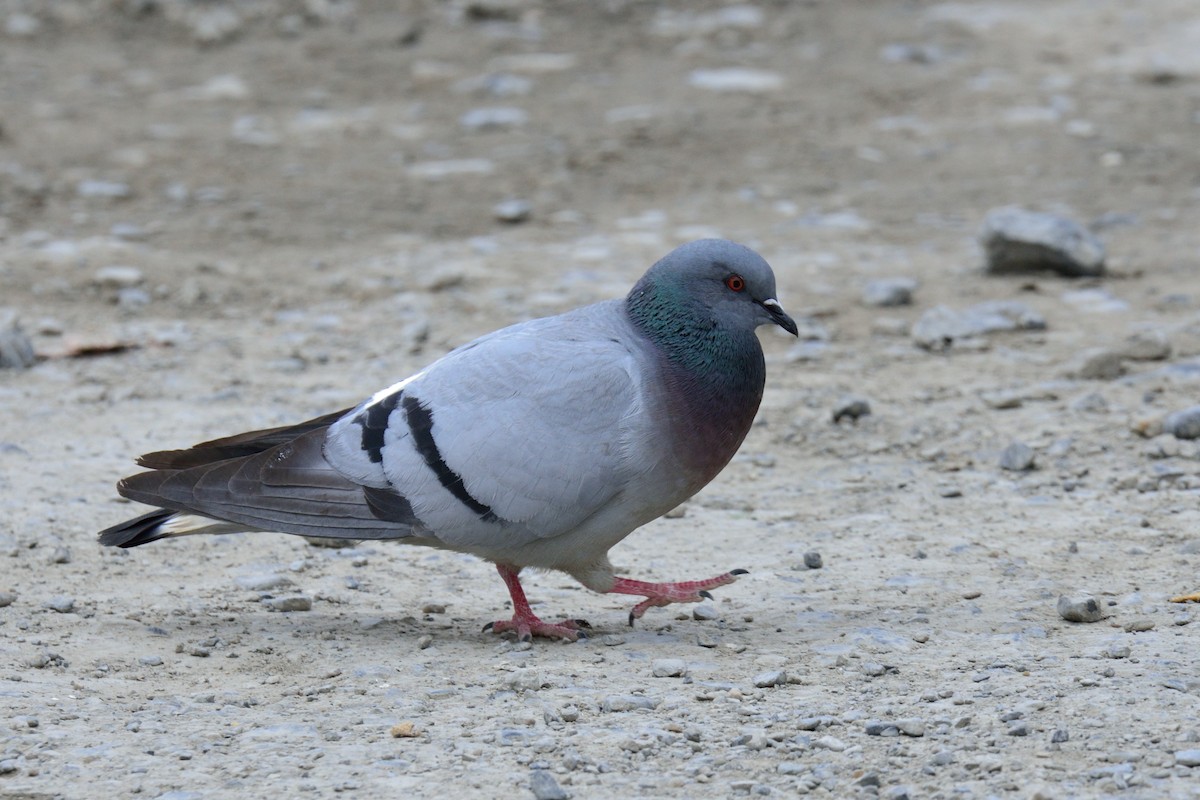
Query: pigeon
column 540, row 445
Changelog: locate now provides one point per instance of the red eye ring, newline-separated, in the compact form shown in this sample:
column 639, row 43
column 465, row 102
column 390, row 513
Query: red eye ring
column 735, row 282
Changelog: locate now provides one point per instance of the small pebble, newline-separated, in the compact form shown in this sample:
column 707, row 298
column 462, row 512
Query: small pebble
column 118, row 277
column 1017, row 457
column 1150, row 345
column 1139, row 626
column 1059, row 736
column 617, row 703
column 705, row 612
column 851, row 407
column 812, row 560
column 493, row 119
column 736, row 79
column 103, row 190
column 151, row 661
column 512, row 211
column 668, row 668
column 63, row 604
column 888, row 292
column 765, row 680
column 544, row 786
column 16, row 350
column 1080, row 609
column 1187, row 758
column 1097, row 364
column 1183, row 424
column 7, row 598
column 1116, row 651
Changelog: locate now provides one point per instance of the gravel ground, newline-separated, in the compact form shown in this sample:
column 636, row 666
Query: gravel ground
column 221, row 216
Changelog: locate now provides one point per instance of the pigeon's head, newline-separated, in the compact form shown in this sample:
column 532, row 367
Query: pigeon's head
column 730, row 281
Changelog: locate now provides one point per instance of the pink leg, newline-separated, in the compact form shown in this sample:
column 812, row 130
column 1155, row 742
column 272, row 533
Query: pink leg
column 661, row 594
column 524, row 622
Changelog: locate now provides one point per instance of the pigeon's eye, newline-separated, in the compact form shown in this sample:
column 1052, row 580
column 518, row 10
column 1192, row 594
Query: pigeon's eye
column 735, row 283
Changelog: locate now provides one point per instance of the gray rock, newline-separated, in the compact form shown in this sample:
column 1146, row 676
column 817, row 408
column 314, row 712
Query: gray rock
column 888, row 292
column 851, row 407
column 877, row 727
column 1187, row 758
column 544, row 786
column 22, row 26
column 1017, row 240
column 450, row 168
column 668, row 668
column 63, row 604
column 736, row 79
column 1149, row 345
column 705, row 612
column 499, row 118
column 103, row 190
column 941, row 326
column 1183, row 424
column 133, row 299
column 1017, row 457
column 1080, row 609
column 262, row 581
column 512, row 211
column 118, row 276
column 765, row 680
column 629, row 702
column 1059, row 736
column 1098, row 364
column 812, row 560
column 16, row 350
column 1117, row 651
column 7, row 598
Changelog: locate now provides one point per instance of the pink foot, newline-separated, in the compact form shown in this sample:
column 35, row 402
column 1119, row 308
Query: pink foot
column 527, row 626
column 662, row 594
column 524, row 622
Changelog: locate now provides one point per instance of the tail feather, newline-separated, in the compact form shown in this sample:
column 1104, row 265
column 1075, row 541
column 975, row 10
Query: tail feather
column 288, row 487
column 140, row 530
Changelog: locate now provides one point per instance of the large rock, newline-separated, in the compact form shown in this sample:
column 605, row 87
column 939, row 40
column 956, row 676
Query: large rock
column 1017, row 240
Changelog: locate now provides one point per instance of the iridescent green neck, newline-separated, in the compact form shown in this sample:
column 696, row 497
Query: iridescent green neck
column 692, row 339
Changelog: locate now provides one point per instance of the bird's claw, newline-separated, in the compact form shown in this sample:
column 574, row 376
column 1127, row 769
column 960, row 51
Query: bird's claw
column 527, row 626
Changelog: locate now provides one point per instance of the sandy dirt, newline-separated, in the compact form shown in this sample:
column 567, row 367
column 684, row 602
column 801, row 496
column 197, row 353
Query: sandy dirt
column 258, row 212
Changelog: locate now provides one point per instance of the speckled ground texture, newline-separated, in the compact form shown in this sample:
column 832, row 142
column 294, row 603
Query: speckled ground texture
column 252, row 213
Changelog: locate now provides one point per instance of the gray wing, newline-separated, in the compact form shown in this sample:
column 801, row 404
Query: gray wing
column 517, row 437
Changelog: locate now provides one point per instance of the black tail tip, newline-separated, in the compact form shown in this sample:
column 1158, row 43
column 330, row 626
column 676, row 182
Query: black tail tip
column 133, row 532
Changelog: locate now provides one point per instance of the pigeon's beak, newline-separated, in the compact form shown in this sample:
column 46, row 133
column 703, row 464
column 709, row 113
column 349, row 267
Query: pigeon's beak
column 779, row 317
